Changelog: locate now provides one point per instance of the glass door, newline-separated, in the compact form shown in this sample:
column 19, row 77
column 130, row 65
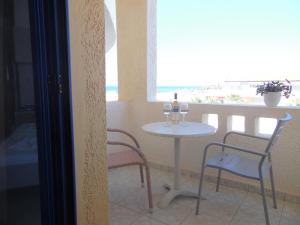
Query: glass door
column 19, row 176
column 36, row 167
column 19, row 173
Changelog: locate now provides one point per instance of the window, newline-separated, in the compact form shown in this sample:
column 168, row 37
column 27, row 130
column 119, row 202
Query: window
column 111, row 64
column 265, row 126
column 218, row 51
column 211, row 119
column 236, row 123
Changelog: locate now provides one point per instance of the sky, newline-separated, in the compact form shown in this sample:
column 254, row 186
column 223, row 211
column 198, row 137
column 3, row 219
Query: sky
column 111, row 63
column 215, row 40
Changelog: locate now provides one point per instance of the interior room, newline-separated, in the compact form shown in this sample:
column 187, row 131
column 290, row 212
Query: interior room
column 18, row 141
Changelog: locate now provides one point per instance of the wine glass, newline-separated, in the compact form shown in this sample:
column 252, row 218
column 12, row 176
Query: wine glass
column 167, row 110
column 184, row 109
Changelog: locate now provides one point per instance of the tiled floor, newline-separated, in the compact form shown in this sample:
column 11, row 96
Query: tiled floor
column 129, row 206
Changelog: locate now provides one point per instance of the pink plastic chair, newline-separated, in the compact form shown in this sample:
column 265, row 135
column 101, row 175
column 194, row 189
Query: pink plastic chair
column 131, row 156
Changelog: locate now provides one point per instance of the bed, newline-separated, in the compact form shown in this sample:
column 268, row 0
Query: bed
column 19, row 158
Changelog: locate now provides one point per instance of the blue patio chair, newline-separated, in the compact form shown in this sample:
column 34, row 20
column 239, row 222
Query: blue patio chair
column 243, row 166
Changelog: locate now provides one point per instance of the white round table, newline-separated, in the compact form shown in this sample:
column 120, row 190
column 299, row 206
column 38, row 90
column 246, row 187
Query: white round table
column 177, row 131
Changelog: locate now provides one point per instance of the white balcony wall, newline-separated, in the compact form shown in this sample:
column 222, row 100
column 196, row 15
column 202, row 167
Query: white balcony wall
column 136, row 110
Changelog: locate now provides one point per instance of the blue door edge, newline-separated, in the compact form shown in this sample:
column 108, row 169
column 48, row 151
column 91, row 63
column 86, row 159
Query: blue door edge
column 51, row 56
column 67, row 22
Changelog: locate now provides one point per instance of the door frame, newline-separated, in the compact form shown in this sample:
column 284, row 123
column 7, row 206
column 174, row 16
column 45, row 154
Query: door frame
column 50, row 44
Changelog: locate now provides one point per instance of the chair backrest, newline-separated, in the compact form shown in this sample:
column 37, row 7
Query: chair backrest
column 277, row 131
column 130, row 136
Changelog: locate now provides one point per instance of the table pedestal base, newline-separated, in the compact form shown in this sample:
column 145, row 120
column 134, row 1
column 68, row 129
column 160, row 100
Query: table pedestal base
column 174, row 193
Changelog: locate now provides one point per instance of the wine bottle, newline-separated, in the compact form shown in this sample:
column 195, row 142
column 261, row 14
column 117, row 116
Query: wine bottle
column 175, row 104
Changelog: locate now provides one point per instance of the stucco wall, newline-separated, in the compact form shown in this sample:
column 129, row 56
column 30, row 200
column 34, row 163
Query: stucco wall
column 132, row 49
column 88, row 96
column 132, row 55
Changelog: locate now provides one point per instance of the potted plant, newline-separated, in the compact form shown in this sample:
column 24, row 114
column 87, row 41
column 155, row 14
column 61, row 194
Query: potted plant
column 273, row 90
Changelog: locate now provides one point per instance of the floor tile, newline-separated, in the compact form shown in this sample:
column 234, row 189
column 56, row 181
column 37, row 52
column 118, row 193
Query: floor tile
column 144, row 220
column 124, row 182
column 121, row 216
column 203, row 219
column 227, row 194
column 138, row 200
column 229, row 206
column 251, row 211
column 117, row 193
column 286, row 221
column 291, row 211
column 246, row 220
column 218, row 208
column 175, row 214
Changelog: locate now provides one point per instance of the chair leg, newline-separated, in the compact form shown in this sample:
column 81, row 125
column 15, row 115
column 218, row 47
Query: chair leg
column 200, row 190
column 218, row 180
column 263, row 194
column 149, row 189
column 273, row 188
column 142, row 175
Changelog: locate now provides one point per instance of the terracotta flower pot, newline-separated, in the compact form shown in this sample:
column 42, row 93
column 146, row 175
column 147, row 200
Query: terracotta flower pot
column 272, row 99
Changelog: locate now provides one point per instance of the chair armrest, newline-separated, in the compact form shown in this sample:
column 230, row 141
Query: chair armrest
column 136, row 149
column 250, row 151
column 126, row 133
column 243, row 134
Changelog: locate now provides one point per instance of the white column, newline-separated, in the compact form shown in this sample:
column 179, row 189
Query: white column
column 151, row 50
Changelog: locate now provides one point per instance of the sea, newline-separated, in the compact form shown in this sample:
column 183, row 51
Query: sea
column 231, row 94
